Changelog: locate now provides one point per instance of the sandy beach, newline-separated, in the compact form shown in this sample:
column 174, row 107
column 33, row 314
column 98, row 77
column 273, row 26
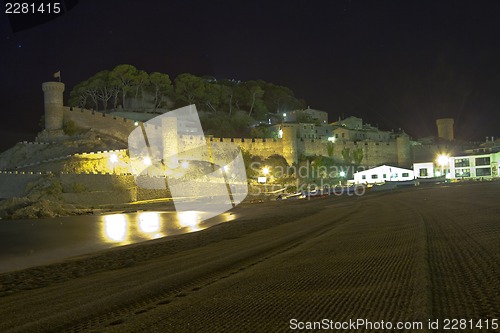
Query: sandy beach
column 412, row 255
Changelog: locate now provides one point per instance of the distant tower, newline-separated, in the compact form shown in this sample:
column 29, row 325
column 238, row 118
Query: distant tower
column 53, row 102
column 445, row 128
column 403, row 150
column 289, row 138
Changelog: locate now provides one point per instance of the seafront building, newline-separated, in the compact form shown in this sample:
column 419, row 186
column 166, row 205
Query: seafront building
column 382, row 174
column 464, row 167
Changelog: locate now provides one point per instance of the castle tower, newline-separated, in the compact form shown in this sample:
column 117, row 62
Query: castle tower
column 445, row 128
column 53, row 103
column 403, row 150
column 289, row 138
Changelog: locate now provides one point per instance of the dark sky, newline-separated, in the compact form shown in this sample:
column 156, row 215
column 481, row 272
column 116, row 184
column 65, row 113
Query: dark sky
column 398, row 64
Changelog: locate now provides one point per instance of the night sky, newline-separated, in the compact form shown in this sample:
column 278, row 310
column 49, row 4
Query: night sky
column 396, row 64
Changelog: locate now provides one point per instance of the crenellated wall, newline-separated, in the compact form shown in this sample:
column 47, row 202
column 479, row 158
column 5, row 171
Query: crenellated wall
column 14, row 183
column 115, row 126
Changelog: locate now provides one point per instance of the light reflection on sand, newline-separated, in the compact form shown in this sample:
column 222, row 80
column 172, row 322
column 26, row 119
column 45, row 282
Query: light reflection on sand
column 149, row 222
column 122, row 229
column 115, row 228
column 189, row 219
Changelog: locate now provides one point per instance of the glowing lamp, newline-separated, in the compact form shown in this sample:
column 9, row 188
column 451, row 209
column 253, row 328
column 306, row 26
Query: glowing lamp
column 113, row 158
column 443, row 160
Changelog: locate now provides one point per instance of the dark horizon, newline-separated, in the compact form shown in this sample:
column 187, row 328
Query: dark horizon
column 396, row 65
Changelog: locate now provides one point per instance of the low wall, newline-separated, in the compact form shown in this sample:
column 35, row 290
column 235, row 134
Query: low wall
column 13, row 184
column 95, row 182
column 101, row 197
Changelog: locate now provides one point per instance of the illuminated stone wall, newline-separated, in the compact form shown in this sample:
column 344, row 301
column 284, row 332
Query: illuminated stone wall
column 114, row 126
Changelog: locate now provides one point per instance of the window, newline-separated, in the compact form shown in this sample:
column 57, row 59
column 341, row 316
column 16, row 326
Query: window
column 384, row 176
column 480, row 172
column 483, row 161
column 336, row 135
column 363, row 177
column 406, row 174
column 343, row 135
column 423, row 173
column 462, row 162
column 462, row 173
column 374, row 176
column 394, row 175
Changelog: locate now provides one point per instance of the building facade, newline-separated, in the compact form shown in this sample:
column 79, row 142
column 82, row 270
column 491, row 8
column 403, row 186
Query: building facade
column 382, row 174
column 464, row 167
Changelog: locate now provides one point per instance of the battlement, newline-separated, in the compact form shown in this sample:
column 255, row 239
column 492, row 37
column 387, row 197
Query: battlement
column 99, row 152
column 236, row 140
column 53, row 87
column 105, row 123
column 99, row 114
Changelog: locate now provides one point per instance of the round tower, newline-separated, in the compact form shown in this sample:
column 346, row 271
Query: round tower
column 445, row 128
column 403, row 149
column 53, row 103
column 289, row 137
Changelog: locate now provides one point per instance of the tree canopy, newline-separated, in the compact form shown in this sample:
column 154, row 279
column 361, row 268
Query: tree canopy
column 228, row 105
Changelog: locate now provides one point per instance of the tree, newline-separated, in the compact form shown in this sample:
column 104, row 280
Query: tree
column 330, row 148
column 101, row 82
column 160, row 86
column 126, row 76
column 278, row 98
column 251, row 95
column 357, row 155
column 189, row 88
column 139, row 82
column 346, row 154
column 79, row 96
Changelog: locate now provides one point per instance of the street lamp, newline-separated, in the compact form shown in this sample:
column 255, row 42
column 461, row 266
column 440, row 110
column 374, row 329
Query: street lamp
column 113, row 158
column 185, row 164
column 443, row 160
column 265, row 171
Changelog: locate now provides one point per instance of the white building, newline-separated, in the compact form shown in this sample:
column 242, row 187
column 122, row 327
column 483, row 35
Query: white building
column 481, row 166
column 382, row 174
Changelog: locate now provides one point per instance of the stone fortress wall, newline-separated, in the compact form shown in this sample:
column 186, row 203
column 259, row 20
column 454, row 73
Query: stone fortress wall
column 374, row 153
column 113, row 182
column 114, row 126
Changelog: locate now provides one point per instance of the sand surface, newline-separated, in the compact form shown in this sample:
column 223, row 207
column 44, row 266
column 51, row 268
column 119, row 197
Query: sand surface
column 407, row 255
